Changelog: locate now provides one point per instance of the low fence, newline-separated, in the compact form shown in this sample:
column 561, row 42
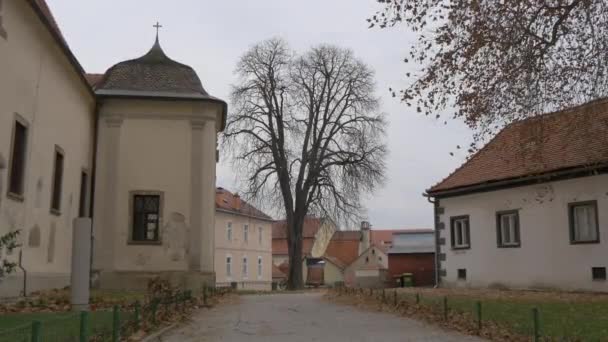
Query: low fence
column 107, row 325
column 506, row 320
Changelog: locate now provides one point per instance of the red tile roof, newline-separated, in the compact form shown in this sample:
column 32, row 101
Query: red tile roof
column 94, row 79
column 227, row 201
column 344, row 250
column 346, row 235
column 310, row 229
column 279, row 246
column 559, row 141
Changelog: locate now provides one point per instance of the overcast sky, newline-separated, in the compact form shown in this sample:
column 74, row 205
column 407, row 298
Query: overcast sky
column 210, row 36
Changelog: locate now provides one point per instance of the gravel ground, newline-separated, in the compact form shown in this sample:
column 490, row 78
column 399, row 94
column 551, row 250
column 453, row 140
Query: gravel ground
column 303, row 317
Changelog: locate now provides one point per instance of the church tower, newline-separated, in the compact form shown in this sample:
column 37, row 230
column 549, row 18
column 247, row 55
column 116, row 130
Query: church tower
column 155, row 181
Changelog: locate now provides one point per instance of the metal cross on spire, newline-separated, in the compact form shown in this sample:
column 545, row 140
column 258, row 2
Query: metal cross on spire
column 158, row 26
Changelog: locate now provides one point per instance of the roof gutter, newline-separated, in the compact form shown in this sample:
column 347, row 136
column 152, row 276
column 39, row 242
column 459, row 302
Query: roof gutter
column 575, row 172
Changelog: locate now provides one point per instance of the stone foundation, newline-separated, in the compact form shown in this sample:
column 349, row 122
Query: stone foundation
column 138, row 281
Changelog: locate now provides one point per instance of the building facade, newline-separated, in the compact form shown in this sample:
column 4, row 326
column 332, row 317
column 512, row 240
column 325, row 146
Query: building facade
column 530, row 209
column 46, row 145
column 243, row 244
column 134, row 147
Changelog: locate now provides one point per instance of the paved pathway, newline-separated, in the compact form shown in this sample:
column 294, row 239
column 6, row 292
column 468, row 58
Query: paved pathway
column 303, row 317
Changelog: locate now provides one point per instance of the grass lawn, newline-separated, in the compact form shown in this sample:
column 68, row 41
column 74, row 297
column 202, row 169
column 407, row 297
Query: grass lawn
column 567, row 316
column 63, row 326
column 54, row 326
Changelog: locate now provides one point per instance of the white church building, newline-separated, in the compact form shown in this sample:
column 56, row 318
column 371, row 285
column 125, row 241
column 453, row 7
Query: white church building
column 134, row 148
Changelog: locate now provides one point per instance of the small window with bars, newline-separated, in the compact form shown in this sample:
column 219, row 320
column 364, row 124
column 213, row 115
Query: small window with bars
column 146, row 218
column 598, row 273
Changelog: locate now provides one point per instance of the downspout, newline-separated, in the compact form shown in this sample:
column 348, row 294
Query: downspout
column 92, row 194
column 436, row 224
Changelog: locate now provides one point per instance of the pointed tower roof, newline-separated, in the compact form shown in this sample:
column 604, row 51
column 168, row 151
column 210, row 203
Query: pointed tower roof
column 153, row 72
column 154, row 75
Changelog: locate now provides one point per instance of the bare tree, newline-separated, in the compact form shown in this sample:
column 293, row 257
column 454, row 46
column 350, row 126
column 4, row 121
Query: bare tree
column 306, row 133
column 499, row 61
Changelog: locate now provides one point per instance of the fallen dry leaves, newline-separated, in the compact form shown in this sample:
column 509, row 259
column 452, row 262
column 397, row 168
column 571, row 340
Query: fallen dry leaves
column 461, row 322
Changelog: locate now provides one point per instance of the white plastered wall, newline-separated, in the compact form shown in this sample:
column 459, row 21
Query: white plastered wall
column 546, row 258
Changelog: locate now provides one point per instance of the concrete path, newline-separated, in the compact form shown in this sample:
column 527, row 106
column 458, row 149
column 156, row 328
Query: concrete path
column 303, row 317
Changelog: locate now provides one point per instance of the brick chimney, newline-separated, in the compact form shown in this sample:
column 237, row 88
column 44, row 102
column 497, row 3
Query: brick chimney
column 365, row 237
column 237, row 202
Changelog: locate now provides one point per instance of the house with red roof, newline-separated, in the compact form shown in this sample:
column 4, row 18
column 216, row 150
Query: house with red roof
column 243, row 244
column 530, row 209
column 359, row 258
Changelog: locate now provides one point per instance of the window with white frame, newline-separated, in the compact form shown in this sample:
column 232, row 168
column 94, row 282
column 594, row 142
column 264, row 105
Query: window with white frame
column 507, row 229
column 245, row 268
column 584, row 227
column 260, row 234
column 228, row 266
column 246, row 233
column 229, row 231
column 460, row 232
column 259, row 267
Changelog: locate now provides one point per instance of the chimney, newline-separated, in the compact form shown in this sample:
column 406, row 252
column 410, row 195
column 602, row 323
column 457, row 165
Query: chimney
column 237, row 202
column 365, row 237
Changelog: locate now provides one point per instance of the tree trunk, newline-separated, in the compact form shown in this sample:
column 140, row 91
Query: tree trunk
column 295, row 279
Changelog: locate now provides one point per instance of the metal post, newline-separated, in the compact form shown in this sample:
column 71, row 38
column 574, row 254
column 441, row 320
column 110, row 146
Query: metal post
column 154, row 307
column 36, row 325
column 536, row 324
column 478, row 309
column 371, row 292
column 417, row 298
column 84, row 326
column 115, row 324
column 137, row 315
column 383, row 296
column 395, row 298
column 205, row 295
column 445, row 308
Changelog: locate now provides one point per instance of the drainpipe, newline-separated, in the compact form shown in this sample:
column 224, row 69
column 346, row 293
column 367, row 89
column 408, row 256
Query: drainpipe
column 435, row 203
column 92, row 192
column 24, row 293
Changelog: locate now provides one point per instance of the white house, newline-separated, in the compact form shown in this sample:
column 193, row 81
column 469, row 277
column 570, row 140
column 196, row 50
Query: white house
column 530, row 209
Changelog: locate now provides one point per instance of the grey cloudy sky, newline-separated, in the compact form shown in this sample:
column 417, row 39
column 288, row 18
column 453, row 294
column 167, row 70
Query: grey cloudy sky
column 211, row 35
